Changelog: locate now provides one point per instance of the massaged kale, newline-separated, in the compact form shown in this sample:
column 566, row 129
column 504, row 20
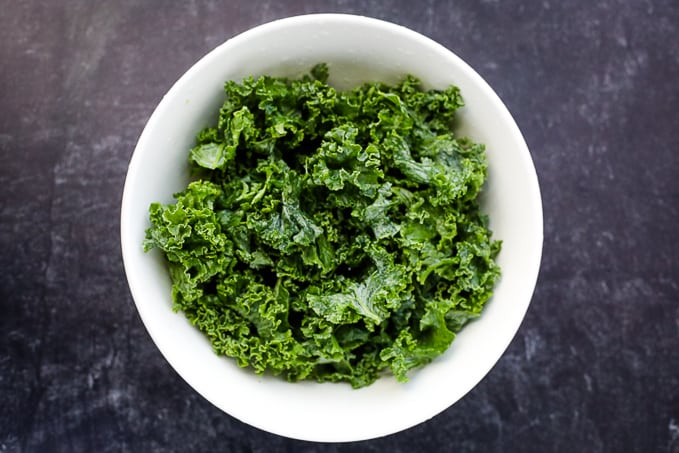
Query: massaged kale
column 330, row 235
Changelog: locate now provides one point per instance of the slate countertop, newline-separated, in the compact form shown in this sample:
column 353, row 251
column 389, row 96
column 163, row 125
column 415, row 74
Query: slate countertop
column 594, row 88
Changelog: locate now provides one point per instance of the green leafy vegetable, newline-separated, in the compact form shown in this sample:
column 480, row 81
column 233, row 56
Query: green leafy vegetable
column 330, row 235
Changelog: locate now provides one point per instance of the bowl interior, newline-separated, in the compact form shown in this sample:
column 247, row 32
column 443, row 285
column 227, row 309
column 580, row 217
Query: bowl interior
column 356, row 49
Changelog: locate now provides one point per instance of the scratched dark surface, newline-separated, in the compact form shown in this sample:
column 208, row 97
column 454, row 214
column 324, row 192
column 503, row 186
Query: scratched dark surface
column 594, row 87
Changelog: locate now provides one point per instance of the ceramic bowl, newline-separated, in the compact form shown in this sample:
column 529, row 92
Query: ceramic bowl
column 356, row 49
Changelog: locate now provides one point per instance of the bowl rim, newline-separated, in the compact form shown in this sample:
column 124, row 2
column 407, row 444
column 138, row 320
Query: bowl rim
column 199, row 66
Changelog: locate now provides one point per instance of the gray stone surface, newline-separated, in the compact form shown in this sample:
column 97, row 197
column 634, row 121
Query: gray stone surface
column 593, row 85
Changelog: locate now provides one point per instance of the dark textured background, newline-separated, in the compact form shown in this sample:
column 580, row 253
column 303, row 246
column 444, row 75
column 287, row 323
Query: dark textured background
column 593, row 85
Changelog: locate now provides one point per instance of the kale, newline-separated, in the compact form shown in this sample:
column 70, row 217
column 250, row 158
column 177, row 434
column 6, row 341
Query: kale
column 330, row 235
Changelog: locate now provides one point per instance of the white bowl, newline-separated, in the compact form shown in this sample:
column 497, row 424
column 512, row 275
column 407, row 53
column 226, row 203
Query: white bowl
column 357, row 49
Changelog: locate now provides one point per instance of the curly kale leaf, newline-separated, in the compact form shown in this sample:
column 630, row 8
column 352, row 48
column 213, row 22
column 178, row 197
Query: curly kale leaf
column 330, row 235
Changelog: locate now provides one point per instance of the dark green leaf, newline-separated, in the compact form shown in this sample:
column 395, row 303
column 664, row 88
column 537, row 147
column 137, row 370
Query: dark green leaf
column 332, row 235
